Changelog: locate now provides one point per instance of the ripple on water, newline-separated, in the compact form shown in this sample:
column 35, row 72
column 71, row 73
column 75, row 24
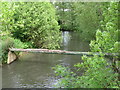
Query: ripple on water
column 33, row 70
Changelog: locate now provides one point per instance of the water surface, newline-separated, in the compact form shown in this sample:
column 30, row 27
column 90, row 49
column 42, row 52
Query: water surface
column 34, row 70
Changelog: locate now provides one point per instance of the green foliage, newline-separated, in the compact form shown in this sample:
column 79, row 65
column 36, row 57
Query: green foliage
column 87, row 17
column 107, row 41
column 65, row 15
column 6, row 16
column 33, row 22
column 5, row 45
column 79, row 16
column 67, row 77
column 9, row 42
column 98, row 71
column 98, row 74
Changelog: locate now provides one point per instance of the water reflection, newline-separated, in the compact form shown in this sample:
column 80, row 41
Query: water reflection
column 34, row 70
column 66, row 38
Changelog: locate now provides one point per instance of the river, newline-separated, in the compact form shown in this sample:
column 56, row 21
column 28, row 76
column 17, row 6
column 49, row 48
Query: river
column 34, row 70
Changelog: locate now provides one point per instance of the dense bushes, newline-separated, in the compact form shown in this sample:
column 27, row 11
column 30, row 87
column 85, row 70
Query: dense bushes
column 9, row 42
column 97, row 74
column 31, row 22
column 99, row 71
column 87, row 19
column 79, row 16
column 65, row 15
column 28, row 25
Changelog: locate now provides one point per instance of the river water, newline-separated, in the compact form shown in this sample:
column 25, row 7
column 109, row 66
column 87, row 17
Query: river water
column 34, row 70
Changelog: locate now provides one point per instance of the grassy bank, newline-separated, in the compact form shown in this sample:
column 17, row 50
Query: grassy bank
column 10, row 42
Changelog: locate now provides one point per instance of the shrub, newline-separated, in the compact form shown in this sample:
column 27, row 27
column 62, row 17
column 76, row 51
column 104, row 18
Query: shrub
column 99, row 71
column 31, row 22
column 9, row 42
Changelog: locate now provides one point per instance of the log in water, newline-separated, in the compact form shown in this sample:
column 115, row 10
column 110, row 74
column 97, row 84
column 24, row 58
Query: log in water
column 62, row 52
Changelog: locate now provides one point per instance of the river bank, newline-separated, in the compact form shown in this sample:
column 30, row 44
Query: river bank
column 35, row 70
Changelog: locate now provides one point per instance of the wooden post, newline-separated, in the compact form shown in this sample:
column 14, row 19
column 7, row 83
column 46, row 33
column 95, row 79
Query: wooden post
column 11, row 57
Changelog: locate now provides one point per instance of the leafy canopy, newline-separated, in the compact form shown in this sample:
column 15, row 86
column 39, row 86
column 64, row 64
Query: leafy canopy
column 33, row 22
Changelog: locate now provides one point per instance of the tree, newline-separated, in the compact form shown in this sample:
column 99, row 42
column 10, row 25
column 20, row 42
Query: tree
column 98, row 71
column 87, row 19
column 79, row 16
column 32, row 22
column 64, row 14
